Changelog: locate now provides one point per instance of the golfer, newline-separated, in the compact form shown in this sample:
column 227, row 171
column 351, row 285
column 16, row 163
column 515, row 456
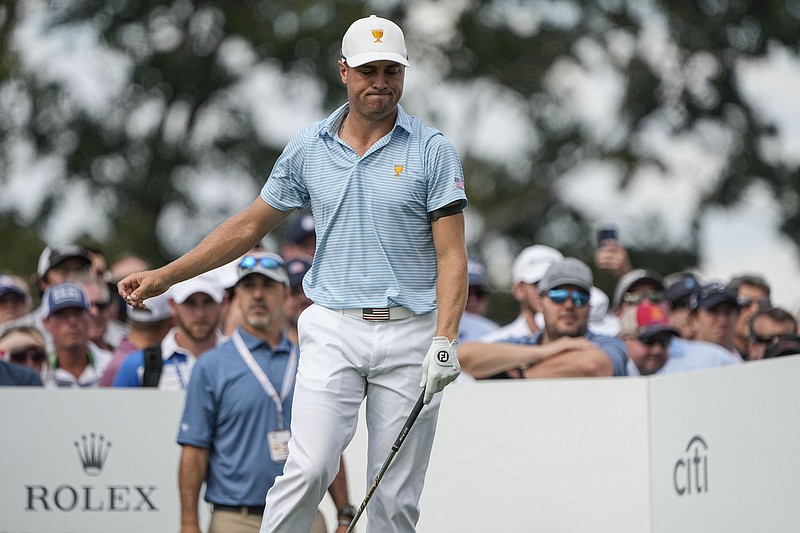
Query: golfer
column 388, row 282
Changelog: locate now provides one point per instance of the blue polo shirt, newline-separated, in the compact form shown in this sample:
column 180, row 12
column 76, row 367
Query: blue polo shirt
column 229, row 413
column 374, row 241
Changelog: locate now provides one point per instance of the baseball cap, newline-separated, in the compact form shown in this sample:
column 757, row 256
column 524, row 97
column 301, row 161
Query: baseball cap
column 204, row 283
column 64, row 296
column 680, row 286
column 627, row 281
column 569, row 271
column 264, row 263
column 477, row 273
column 157, row 309
column 54, row 255
column 645, row 320
column 600, row 322
column 711, row 295
column 10, row 285
column 374, row 39
column 297, row 269
column 302, row 227
column 532, row 262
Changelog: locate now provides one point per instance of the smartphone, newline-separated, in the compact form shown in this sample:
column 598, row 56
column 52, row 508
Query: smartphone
column 606, row 234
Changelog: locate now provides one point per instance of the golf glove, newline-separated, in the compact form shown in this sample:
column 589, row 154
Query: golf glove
column 440, row 367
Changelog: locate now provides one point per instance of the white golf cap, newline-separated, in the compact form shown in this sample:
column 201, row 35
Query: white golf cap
column 532, row 262
column 203, row 283
column 157, row 310
column 374, row 39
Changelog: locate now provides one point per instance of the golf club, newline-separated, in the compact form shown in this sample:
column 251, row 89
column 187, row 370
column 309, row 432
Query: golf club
column 396, row 446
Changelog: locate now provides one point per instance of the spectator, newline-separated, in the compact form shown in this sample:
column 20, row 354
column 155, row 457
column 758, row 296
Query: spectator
column 105, row 332
column 296, row 301
column 679, row 288
column 647, row 334
column 240, row 391
column 74, row 363
column 301, row 238
column 57, row 264
column 564, row 347
column 147, row 327
column 197, row 307
column 612, row 257
column 526, row 271
column 636, row 286
column 752, row 293
column 767, row 327
column 601, row 321
column 474, row 323
column 25, row 345
column 714, row 310
column 15, row 298
column 120, row 267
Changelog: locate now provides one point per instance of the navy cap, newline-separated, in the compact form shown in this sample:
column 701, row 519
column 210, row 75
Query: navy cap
column 9, row 285
column 680, row 285
column 64, row 296
column 712, row 295
column 297, row 269
column 301, row 227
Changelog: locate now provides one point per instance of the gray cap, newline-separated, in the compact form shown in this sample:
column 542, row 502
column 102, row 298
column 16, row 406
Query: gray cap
column 264, row 263
column 634, row 276
column 569, row 271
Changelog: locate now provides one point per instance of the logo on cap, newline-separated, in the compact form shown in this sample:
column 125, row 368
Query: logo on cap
column 377, row 33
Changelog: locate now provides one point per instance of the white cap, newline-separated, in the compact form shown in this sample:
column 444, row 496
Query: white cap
column 202, row 283
column 374, row 39
column 600, row 322
column 532, row 262
column 157, row 309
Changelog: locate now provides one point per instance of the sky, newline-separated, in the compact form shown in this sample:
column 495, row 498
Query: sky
column 741, row 239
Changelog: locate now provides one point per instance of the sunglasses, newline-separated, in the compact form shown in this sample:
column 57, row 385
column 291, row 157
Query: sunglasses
column 771, row 339
column 636, row 297
column 652, row 340
column 33, row 353
column 250, row 262
column 763, row 303
column 101, row 306
column 559, row 296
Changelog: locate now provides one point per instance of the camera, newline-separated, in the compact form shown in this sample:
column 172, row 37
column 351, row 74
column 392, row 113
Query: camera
column 608, row 233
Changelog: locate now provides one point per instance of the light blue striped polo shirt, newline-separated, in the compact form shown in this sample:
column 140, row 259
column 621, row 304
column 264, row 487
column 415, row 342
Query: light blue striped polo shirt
column 374, row 241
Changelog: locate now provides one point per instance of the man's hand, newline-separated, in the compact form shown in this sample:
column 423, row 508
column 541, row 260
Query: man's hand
column 440, row 367
column 137, row 287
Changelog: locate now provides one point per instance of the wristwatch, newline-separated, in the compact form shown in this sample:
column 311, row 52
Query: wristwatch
column 348, row 511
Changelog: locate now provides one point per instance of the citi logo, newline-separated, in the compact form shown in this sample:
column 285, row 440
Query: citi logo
column 93, row 451
column 690, row 475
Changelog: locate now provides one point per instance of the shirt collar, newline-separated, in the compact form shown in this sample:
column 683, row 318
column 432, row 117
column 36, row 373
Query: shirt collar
column 169, row 346
column 252, row 342
column 332, row 123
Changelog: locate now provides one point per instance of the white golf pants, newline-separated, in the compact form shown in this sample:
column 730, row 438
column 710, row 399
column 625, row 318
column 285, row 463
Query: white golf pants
column 344, row 359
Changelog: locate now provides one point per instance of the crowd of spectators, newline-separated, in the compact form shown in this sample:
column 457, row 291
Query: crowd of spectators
column 83, row 335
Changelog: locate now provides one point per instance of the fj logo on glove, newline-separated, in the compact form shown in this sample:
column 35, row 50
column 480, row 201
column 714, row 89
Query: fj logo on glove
column 443, row 356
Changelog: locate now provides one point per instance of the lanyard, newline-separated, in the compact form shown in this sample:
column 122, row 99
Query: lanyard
column 263, row 380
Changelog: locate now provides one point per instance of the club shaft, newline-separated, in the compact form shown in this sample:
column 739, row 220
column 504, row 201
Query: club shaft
column 395, row 447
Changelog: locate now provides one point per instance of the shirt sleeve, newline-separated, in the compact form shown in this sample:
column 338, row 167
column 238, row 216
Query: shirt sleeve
column 197, row 423
column 128, row 374
column 615, row 349
column 285, row 188
column 444, row 174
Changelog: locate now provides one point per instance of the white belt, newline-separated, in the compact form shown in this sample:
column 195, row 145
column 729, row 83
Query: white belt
column 379, row 313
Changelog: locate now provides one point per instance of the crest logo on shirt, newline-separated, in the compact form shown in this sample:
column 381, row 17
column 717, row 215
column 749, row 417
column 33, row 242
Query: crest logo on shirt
column 377, row 33
column 398, row 169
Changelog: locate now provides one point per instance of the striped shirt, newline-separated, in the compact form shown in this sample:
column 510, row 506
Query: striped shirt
column 374, row 241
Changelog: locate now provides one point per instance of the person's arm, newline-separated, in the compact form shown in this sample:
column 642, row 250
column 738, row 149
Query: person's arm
column 585, row 362
column 483, row 360
column 192, row 472
column 451, row 266
column 127, row 375
column 228, row 241
column 341, row 499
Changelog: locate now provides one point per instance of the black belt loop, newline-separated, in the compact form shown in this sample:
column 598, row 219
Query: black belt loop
column 240, row 509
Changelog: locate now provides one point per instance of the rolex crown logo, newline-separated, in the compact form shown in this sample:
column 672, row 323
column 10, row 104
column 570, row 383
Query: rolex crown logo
column 377, row 33
column 92, row 451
